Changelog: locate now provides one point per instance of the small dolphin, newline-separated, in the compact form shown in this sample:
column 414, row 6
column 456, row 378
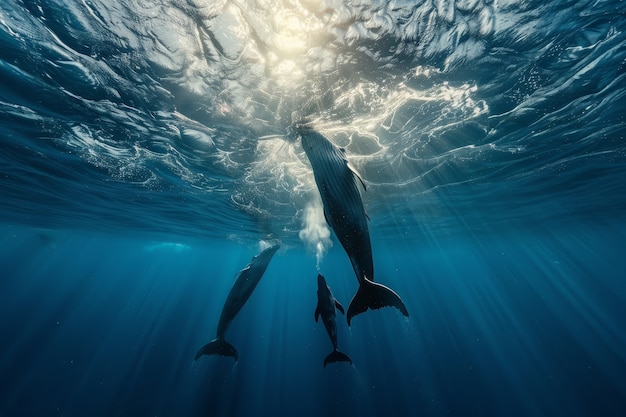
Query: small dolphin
column 336, row 181
column 326, row 305
column 245, row 283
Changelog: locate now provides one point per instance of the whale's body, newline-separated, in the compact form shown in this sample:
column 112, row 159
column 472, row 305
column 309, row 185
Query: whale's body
column 326, row 307
column 337, row 182
column 244, row 285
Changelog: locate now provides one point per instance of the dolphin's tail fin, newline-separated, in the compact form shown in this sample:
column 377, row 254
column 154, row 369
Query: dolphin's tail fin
column 374, row 295
column 218, row 346
column 336, row 356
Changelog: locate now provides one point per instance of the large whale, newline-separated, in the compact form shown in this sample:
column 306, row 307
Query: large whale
column 326, row 305
column 336, row 181
column 246, row 281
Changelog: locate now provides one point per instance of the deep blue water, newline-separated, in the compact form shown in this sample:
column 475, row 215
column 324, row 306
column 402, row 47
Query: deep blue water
column 146, row 155
column 515, row 324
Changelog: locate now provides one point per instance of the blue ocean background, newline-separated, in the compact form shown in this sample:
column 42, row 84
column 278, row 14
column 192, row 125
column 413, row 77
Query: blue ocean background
column 147, row 154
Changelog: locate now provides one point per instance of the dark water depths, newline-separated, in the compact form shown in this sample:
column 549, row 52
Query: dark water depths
column 512, row 324
column 145, row 151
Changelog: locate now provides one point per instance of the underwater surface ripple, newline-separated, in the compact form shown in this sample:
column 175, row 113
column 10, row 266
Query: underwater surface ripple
column 472, row 107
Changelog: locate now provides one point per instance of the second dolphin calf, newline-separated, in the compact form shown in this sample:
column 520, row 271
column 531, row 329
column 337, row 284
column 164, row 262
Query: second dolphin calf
column 336, row 181
column 246, row 282
column 326, row 305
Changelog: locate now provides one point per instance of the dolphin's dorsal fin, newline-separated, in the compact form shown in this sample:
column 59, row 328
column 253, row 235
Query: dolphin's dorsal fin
column 339, row 307
column 317, row 313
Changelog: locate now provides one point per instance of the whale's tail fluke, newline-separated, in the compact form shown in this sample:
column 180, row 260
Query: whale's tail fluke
column 218, row 346
column 336, row 356
column 374, row 295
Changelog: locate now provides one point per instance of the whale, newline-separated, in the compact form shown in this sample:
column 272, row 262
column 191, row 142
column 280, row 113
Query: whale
column 326, row 307
column 245, row 283
column 338, row 185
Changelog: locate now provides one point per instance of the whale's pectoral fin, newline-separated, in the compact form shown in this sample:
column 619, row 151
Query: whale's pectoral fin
column 374, row 295
column 218, row 346
column 317, row 313
column 356, row 174
column 327, row 217
column 246, row 268
column 339, row 307
column 336, row 356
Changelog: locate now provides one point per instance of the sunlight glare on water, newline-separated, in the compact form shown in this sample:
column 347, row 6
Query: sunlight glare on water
column 429, row 100
column 148, row 153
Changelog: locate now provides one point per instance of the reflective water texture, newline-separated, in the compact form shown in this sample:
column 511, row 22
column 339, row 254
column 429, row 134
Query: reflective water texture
column 147, row 152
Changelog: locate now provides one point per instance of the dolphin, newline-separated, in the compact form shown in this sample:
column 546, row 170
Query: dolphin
column 246, row 281
column 326, row 304
column 336, row 181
